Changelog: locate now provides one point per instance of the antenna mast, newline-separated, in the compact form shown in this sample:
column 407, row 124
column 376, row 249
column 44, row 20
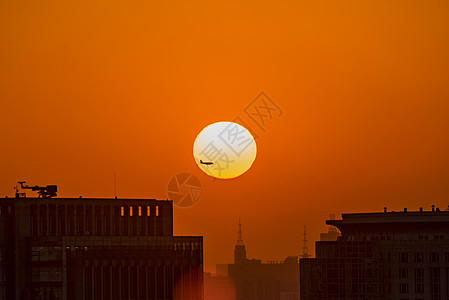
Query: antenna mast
column 305, row 253
column 240, row 240
column 115, row 185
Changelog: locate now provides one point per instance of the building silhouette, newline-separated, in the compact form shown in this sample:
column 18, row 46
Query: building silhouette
column 332, row 233
column 218, row 287
column 86, row 248
column 387, row 255
column 255, row 280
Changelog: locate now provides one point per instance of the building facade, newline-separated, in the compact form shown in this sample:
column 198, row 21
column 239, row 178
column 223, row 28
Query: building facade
column 257, row 280
column 275, row 280
column 84, row 248
column 389, row 255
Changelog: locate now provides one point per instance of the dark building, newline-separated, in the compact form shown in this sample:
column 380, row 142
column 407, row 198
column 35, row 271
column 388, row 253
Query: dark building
column 332, row 233
column 218, row 287
column 389, row 255
column 83, row 248
column 254, row 280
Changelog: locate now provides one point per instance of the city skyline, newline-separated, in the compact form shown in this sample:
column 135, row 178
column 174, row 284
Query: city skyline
column 89, row 90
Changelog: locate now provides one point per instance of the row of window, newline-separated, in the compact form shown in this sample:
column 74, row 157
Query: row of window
column 138, row 211
column 435, row 237
column 99, row 220
column 45, row 254
column 418, row 257
column 123, row 283
column 141, row 282
column 434, row 282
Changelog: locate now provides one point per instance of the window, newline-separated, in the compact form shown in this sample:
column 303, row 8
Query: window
column 124, row 273
column 434, row 280
column 130, row 211
column 418, row 257
column 80, row 219
column 71, row 220
column 403, row 273
column 116, row 220
column 106, row 282
column 403, row 257
column 419, row 281
column 107, row 220
column 33, row 219
column 97, row 220
column 142, row 278
column 122, row 211
column 89, row 220
column 52, row 219
column 125, row 222
column 403, row 288
column 43, row 219
column 434, row 257
column 157, row 211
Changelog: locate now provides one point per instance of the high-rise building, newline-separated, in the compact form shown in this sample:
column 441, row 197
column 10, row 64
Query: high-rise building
column 387, row 255
column 85, row 248
column 257, row 280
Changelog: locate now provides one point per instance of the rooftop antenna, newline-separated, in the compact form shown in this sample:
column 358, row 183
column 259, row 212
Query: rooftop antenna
column 305, row 253
column 115, row 185
column 240, row 240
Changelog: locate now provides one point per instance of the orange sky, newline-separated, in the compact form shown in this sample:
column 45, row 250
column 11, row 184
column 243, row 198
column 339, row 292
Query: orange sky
column 89, row 88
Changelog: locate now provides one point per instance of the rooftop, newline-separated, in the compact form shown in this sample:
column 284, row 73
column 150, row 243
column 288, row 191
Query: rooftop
column 434, row 216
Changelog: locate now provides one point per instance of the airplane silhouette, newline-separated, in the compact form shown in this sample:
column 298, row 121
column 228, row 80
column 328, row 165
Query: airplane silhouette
column 206, row 162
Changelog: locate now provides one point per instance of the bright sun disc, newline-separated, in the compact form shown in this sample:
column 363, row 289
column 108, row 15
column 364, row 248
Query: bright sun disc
column 224, row 150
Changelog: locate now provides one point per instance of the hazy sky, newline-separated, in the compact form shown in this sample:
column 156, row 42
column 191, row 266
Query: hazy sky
column 89, row 88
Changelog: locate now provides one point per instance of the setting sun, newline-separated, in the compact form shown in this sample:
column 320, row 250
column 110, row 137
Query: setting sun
column 224, row 150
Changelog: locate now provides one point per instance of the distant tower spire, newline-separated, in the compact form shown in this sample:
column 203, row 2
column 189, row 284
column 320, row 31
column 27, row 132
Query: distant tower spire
column 239, row 239
column 305, row 253
column 239, row 249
